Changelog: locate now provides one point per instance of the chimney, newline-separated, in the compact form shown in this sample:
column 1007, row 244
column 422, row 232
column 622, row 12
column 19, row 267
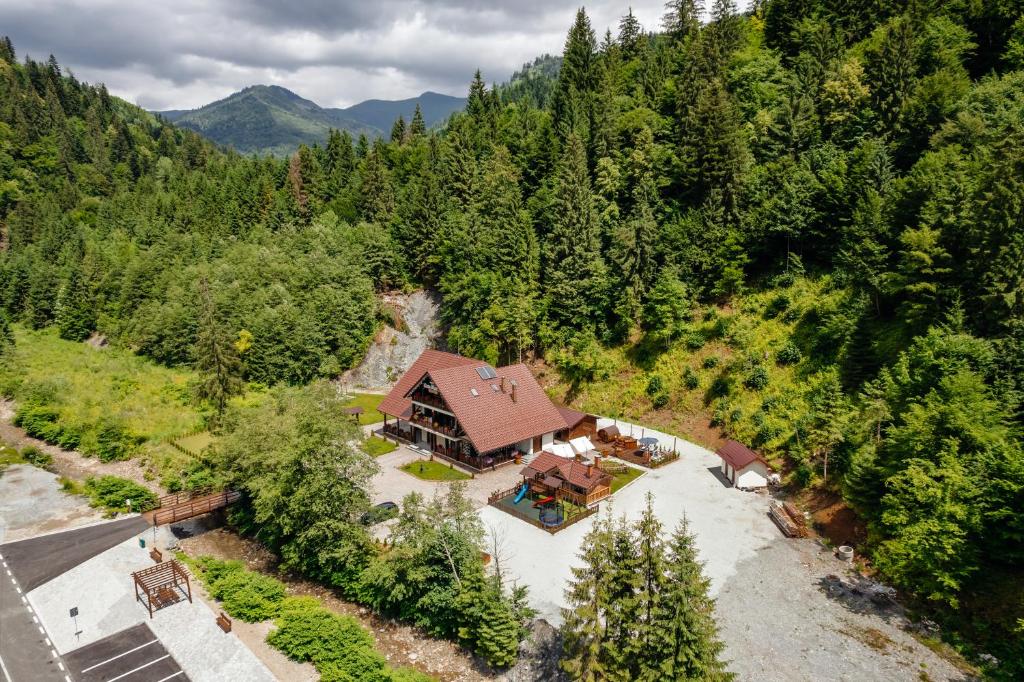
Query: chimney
column 590, row 471
column 513, row 392
column 503, row 384
column 597, row 461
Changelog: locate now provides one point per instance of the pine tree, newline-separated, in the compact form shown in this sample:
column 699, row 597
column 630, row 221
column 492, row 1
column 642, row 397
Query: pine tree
column 215, row 355
column 622, row 612
column 725, row 27
column 893, row 72
column 588, row 600
column 692, row 647
column 6, row 340
column 630, row 33
column 398, row 131
column 476, row 102
column 576, row 78
column 376, row 191
column 682, row 18
column 575, row 277
column 497, row 633
column 76, row 313
column 417, row 127
column 649, row 635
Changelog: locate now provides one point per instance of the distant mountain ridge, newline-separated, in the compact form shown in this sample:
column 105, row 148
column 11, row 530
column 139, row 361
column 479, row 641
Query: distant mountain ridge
column 269, row 119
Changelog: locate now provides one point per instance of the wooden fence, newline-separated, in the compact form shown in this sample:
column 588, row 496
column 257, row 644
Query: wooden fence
column 574, row 517
column 194, row 507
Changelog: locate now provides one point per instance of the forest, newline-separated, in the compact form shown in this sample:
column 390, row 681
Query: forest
column 611, row 198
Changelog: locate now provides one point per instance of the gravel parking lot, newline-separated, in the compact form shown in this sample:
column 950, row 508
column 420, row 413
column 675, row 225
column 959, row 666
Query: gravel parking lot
column 32, row 502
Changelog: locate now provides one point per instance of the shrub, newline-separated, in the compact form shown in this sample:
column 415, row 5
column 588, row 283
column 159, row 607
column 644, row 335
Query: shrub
column 803, row 475
column 720, row 387
column 777, row 306
column 113, row 493
column 695, row 341
column 711, row 361
column 213, row 570
column 339, row 647
column 789, row 354
column 756, row 379
column 659, row 400
column 37, row 420
column 791, row 315
column 655, row 385
column 36, row 457
column 114, row 441
column 690, row 379
column 247, row 595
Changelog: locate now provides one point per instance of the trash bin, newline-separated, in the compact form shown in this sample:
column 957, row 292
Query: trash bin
column 142, row 543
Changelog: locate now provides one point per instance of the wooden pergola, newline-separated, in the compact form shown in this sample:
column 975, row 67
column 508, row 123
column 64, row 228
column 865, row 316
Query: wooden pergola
column 162, row 585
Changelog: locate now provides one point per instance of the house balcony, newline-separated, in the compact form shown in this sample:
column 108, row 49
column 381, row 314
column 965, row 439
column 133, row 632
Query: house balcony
column 430, row 400
column 436, row 426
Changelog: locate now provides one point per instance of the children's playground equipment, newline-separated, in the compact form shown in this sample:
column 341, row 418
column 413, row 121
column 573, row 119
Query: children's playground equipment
column 520, row 494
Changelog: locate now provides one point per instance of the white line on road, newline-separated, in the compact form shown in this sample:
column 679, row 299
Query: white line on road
column 53, row 654
column 180, row 672
column 114, row 658
column 42, row 632
column 3, row 670
column 144, row 665
column 60, row 665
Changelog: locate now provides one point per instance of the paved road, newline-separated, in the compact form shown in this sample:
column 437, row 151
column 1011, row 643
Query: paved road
column 40, row 559
column 134, row 654
column 26, row 653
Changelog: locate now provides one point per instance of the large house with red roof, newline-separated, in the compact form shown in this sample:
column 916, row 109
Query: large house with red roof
column 468, row 411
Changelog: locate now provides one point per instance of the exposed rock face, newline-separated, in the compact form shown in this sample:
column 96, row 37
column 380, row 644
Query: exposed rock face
column 415, row 328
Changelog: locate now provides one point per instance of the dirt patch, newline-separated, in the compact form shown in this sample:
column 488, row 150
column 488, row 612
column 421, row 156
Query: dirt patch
column 401, row 645
column 71, row 463
column 832, row 517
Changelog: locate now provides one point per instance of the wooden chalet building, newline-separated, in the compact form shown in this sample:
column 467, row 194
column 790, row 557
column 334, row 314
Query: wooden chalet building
column 467, row 411
column 550, row 475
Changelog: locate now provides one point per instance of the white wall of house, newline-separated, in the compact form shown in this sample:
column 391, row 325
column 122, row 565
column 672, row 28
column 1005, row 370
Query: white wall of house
column 547, row 439
column 754, row 475
column 726, row 470
column 525, row 446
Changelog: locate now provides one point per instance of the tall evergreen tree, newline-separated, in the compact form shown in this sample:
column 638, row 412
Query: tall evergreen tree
column 417, row 127
column 575, row 277
column 215, row 355
column 630, row 33
column 76, row 312
column 588, row 600
column 577, row 78
column 398, row 131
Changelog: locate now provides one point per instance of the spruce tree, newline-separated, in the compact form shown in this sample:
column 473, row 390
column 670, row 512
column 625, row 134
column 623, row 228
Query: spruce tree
column 649, row 610
column 682, row 18
column 6, row 342
column 376, row 190
column 417, row 127
column 588, row 600
column 76, row 313
column 575, row 277
column 216, row 358
column 692, row 648
column 621, row 614
column 398, row 131
column 476, row 102
column 630, row 33
column 576, row 78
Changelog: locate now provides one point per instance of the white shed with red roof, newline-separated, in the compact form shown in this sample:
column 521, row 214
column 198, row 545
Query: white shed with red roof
column 742, row 466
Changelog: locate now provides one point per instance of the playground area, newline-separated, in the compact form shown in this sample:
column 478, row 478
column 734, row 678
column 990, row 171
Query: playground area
column 539, row 510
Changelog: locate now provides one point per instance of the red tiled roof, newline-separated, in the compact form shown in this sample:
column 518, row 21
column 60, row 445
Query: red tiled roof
column 491, row 419
column 572, row 417
column 738, row 455
column 396, row 404
column 567, row 469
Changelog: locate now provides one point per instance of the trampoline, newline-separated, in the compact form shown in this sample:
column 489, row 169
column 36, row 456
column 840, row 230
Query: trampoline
column 551, row 515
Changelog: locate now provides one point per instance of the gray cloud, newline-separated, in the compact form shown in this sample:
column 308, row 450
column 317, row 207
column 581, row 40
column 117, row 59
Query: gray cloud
column 190, row 52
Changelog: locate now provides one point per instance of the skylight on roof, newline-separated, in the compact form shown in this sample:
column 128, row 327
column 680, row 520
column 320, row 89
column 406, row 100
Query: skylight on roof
column 494, row 387
column 473, row 392
column 486, row 372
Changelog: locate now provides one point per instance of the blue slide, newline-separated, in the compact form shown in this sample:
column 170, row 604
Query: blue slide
column 519, row 496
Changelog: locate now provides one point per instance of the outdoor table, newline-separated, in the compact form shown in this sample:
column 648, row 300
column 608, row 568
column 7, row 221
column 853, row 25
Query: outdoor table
column 648, row 443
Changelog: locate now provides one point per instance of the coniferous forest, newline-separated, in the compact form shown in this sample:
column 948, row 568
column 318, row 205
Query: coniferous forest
column 600, row 200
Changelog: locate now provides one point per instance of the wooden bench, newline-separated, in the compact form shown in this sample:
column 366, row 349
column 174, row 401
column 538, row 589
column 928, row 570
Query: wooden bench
column 156, row 555
column 223, row 622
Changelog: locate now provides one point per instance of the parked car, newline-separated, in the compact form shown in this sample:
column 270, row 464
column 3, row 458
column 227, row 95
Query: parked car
column 379, row 513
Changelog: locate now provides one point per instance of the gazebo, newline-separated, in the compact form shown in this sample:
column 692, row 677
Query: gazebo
column 161, row 585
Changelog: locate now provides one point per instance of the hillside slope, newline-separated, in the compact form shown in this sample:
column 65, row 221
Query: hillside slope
column 269, row 119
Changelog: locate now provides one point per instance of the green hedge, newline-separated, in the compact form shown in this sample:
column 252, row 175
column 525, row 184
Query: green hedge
column 113, row 492
column 245, row 595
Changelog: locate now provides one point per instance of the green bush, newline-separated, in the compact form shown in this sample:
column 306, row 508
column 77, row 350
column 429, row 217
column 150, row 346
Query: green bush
column 778, row 305
column 711, row 361
column 721, row 387
column 695, row 341
column 114, row 442
column 247, row 595
column 756, row 379
column 659, row 400
column 789, row 354
column 690, row 379
column 36, row 457
column 339, row 647
column 37, row 420
column 803, row 475
column 655, row 385
column 113, row 492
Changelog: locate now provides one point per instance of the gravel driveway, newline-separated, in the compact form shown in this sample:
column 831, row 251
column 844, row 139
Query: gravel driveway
column 776, row 619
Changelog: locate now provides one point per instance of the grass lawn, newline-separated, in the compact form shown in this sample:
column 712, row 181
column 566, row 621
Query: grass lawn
column 375, row 447
column 369, row 403
column 196, row 442
column 434, row 471
column 630, row 474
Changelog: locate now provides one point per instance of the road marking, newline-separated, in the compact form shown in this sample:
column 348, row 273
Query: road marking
column 35, row 619
column 24, row 600
column 18, row 589
column 60, row 665
column 144, row 665
column 8, row 571
column 114, row 658
column 42, row 632
column 180, row 672
column 53, row 653
column 3, row 669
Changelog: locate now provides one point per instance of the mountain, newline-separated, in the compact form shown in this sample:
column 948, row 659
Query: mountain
column 381, row 113
column 269, row 119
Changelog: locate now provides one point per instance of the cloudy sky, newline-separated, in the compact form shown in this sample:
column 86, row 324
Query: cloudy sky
column 186, row 53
